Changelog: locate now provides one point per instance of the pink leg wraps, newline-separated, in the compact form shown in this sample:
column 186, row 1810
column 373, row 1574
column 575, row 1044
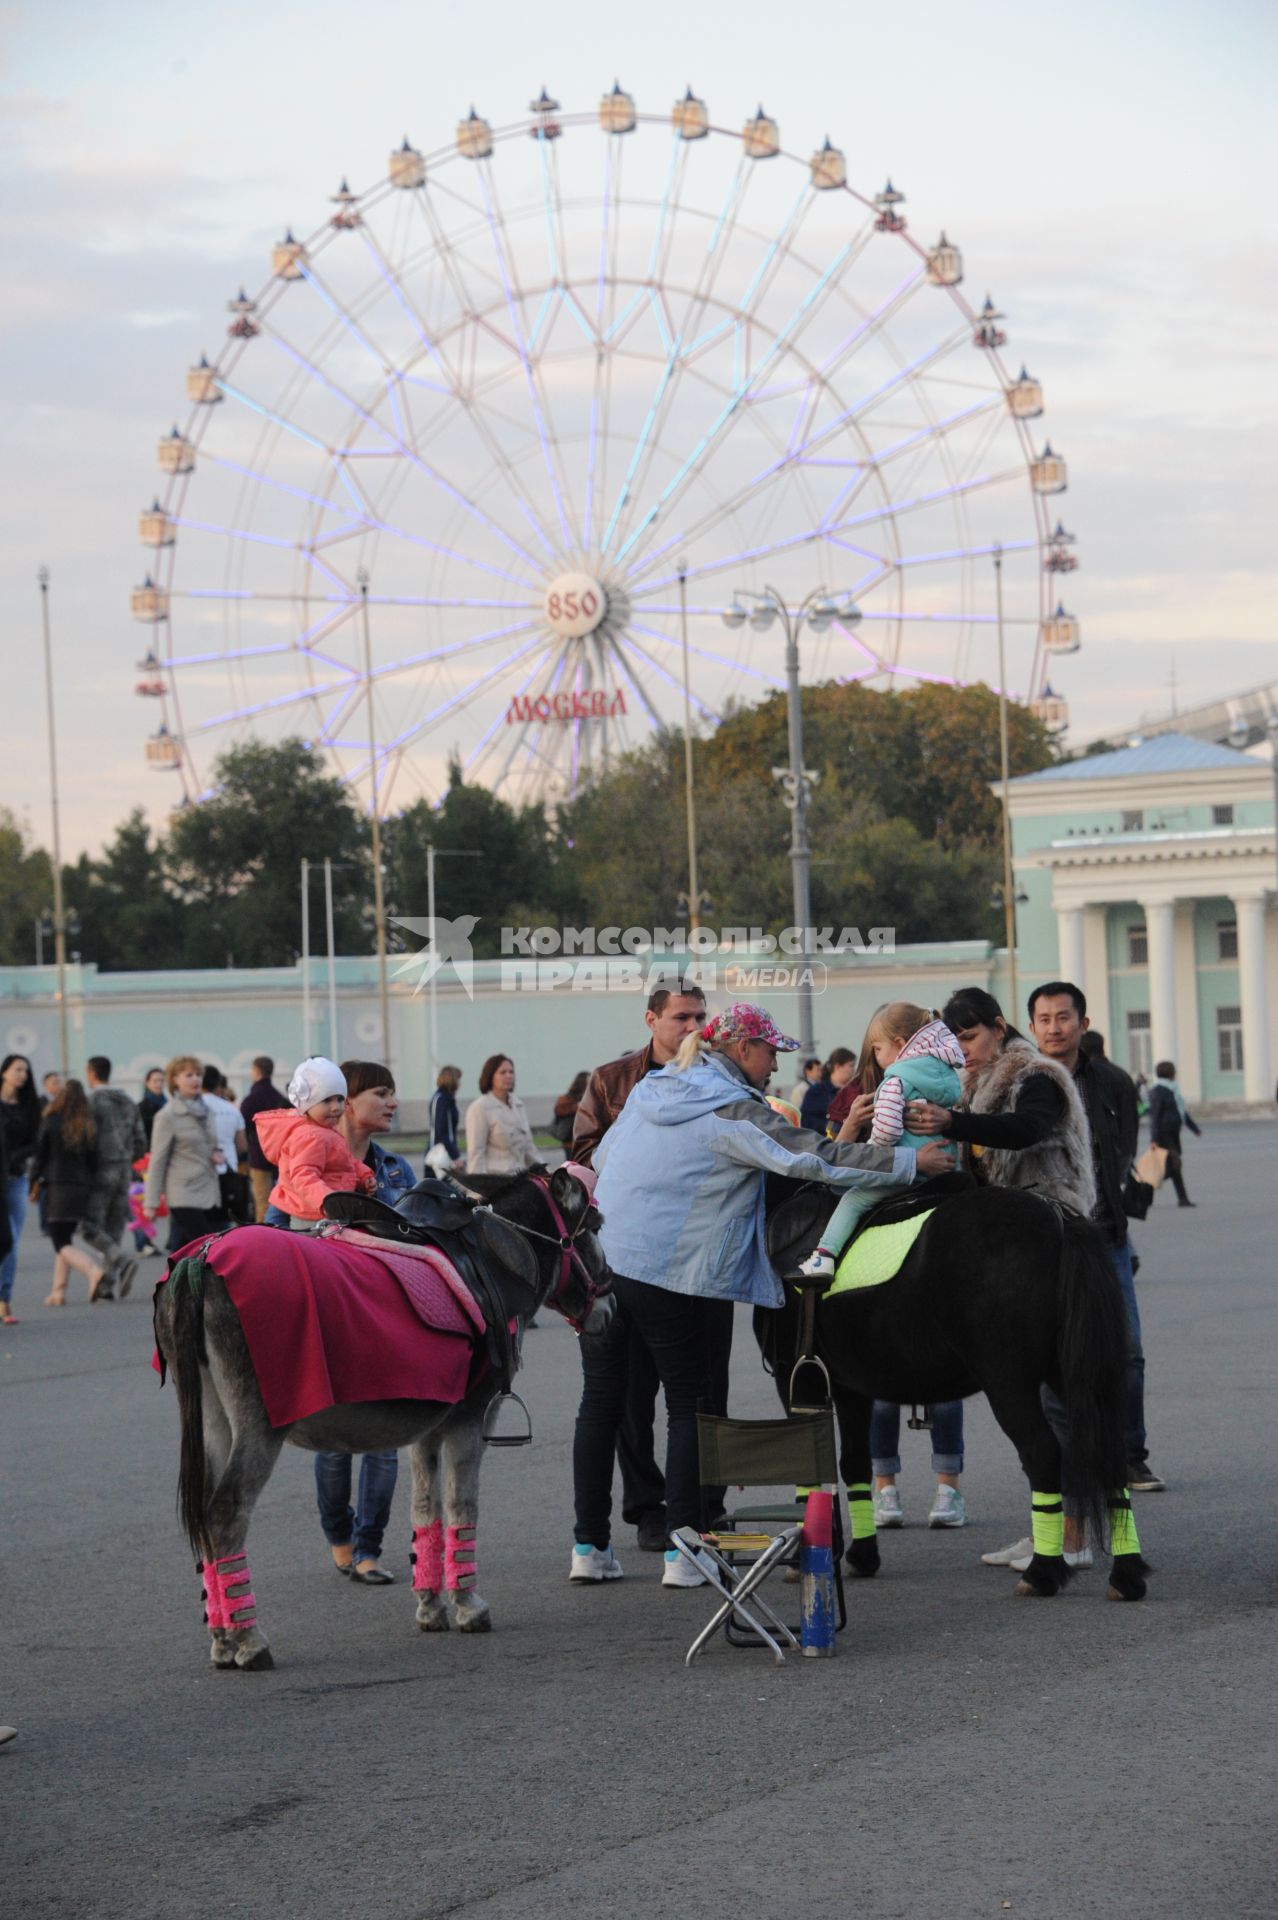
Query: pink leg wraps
column 428, row 1557
column 459, row 1558
column 228, row 1601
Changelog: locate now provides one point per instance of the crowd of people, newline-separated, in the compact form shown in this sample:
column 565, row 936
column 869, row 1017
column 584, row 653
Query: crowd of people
column 679, row 1132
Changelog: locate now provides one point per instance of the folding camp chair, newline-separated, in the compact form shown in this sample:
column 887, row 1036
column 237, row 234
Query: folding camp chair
column 800, row 1451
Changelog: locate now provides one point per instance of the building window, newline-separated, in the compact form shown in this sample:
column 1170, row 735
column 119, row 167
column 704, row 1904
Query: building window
column 1140, row 1044
column 1229, row 1048
column 1133, row 820
column 1226, row 939
column 1222, row 816
column 1138, row 946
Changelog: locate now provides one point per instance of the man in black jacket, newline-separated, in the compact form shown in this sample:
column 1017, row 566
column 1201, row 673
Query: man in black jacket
column 1058, row 1020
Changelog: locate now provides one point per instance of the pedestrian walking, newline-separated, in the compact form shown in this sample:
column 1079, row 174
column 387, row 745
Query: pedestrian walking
column 263, row 1096
column 672, row 1014
column 1167, row 1115
column 232, row 1145
column 185, row 1160
column 445, row 1119
column 121, row 1141
column 151, row 1101
column 65, row 1163
column 19, row 1131
column 498, row 1136
column 355, row 1535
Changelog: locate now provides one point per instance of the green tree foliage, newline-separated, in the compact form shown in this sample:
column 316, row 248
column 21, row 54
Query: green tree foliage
column 129, row 917
column 26, row 892
column 235, row 860
column 493, row 860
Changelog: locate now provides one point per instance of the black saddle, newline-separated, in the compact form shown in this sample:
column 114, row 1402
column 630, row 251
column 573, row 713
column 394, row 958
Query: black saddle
column 493, row 1258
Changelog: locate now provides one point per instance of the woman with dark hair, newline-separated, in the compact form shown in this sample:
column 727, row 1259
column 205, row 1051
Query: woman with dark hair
column 1022, row 1121
column 835, row 1074
column 355, row 1536
column 153, row 1098
column 566, row 1110
column 445, row 1117
column 498, row 1136
column 66, row 1160
column 19, row 1129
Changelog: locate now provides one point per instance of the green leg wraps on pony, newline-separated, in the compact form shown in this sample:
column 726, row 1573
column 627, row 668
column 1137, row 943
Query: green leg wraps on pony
column 861, row 1511
column 1122, row 1527
column 1048, row 1511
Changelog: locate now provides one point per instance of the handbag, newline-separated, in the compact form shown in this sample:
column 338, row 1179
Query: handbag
column 1152, row 1167
column 1138, row 1197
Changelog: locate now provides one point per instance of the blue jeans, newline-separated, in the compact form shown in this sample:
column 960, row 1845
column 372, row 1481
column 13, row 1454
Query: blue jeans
column 365, row 1527
column 947, row 1437
column 15, row 1204
column 1120, row 1259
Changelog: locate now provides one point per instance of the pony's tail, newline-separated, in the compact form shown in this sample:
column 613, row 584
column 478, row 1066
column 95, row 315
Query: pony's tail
column 1092, row 1352
column 186, row 1284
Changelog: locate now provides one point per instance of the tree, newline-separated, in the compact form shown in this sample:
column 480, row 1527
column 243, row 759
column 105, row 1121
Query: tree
column 506, row 869
column 26, row 891
column 130, row 919
column 237, row 858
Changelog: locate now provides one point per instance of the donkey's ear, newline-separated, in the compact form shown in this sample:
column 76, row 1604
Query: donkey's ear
column 567, row 1191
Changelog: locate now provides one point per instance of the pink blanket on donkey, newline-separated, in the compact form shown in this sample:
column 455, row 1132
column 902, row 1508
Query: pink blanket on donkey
column 337, row 1320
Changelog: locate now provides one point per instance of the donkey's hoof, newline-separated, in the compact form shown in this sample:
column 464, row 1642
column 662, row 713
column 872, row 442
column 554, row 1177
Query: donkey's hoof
column 258, row 1660
column 222, row 1655
column 1030, row 1590
column 1127, row 1590
column 433, row 1617
column 1127, row 1577
column 475, row 1622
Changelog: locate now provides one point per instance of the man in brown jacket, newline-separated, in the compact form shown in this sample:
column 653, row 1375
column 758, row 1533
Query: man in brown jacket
column 671, row 1016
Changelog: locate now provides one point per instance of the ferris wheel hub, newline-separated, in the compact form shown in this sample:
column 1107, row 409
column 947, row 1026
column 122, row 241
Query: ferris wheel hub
column 575, row 604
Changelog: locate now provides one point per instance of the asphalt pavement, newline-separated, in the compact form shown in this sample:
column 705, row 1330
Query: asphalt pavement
column 966, row 1753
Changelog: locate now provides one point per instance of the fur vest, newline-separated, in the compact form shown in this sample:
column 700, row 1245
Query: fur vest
column 1060, row 1167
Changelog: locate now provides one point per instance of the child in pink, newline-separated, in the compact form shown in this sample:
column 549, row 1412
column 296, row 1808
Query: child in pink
column 312, row 1158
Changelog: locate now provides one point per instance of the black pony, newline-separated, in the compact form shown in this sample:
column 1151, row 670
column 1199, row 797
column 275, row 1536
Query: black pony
column 1000, row 1294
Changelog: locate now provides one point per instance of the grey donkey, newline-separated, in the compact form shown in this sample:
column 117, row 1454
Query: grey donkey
column 229, row 1447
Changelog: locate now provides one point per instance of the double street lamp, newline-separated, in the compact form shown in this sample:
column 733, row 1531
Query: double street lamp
column 819, row 611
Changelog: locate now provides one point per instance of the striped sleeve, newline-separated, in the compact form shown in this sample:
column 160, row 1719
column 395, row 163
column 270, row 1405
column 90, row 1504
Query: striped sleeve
column 889, row 1113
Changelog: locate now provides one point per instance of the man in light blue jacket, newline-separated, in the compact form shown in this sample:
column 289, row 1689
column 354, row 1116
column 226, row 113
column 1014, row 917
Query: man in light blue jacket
column 681, row 1190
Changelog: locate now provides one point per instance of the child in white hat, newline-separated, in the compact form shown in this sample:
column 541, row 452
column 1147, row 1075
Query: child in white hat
column 305, row 1146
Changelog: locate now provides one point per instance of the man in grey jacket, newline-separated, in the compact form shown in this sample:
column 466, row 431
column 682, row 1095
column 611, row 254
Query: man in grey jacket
column 121, row 1141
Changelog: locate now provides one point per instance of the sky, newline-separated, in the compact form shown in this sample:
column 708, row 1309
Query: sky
column 1108, row 172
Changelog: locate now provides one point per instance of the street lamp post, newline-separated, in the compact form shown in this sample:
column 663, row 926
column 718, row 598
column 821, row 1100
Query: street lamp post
column 819, row 609
column 694, row 891
column 59, row 916
column 379, row 907
column 1009, row 892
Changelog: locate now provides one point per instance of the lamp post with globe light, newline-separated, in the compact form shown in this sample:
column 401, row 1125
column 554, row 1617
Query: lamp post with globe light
column 819, row 611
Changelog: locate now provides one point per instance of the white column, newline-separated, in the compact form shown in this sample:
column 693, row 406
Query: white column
column 1095, row 983
column 1189, row 1061
column 1160, row 922
column 1069, row 940
column 1250, row 908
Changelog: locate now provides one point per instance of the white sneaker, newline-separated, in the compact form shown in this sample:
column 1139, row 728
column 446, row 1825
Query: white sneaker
column 594, row 1563
column 949, row 1509
column 1008, row 1556
column 819, row 1265
column 887, row 1508
column 1083, row 1558
column 680, row 1572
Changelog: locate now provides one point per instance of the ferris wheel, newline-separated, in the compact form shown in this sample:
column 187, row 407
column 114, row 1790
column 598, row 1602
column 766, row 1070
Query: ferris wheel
column 480, row 465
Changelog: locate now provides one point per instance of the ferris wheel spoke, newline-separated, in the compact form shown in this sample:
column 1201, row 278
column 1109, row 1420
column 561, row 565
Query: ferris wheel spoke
column 456, row 389
column 536, row 389
column 529, row 723
column 673, row 488
column 480, row 751
column 705, row 653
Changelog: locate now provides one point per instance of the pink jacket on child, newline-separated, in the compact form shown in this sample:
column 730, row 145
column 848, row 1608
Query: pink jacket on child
column 312, row 1162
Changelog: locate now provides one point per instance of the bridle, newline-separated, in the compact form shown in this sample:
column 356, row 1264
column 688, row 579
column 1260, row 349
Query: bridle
column 570, row 1259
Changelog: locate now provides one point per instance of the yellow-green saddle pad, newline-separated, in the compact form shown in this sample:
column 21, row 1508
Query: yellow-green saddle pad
column 876, row 1254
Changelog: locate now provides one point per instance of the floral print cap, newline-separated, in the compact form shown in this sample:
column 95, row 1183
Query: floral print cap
column 744, row 1021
